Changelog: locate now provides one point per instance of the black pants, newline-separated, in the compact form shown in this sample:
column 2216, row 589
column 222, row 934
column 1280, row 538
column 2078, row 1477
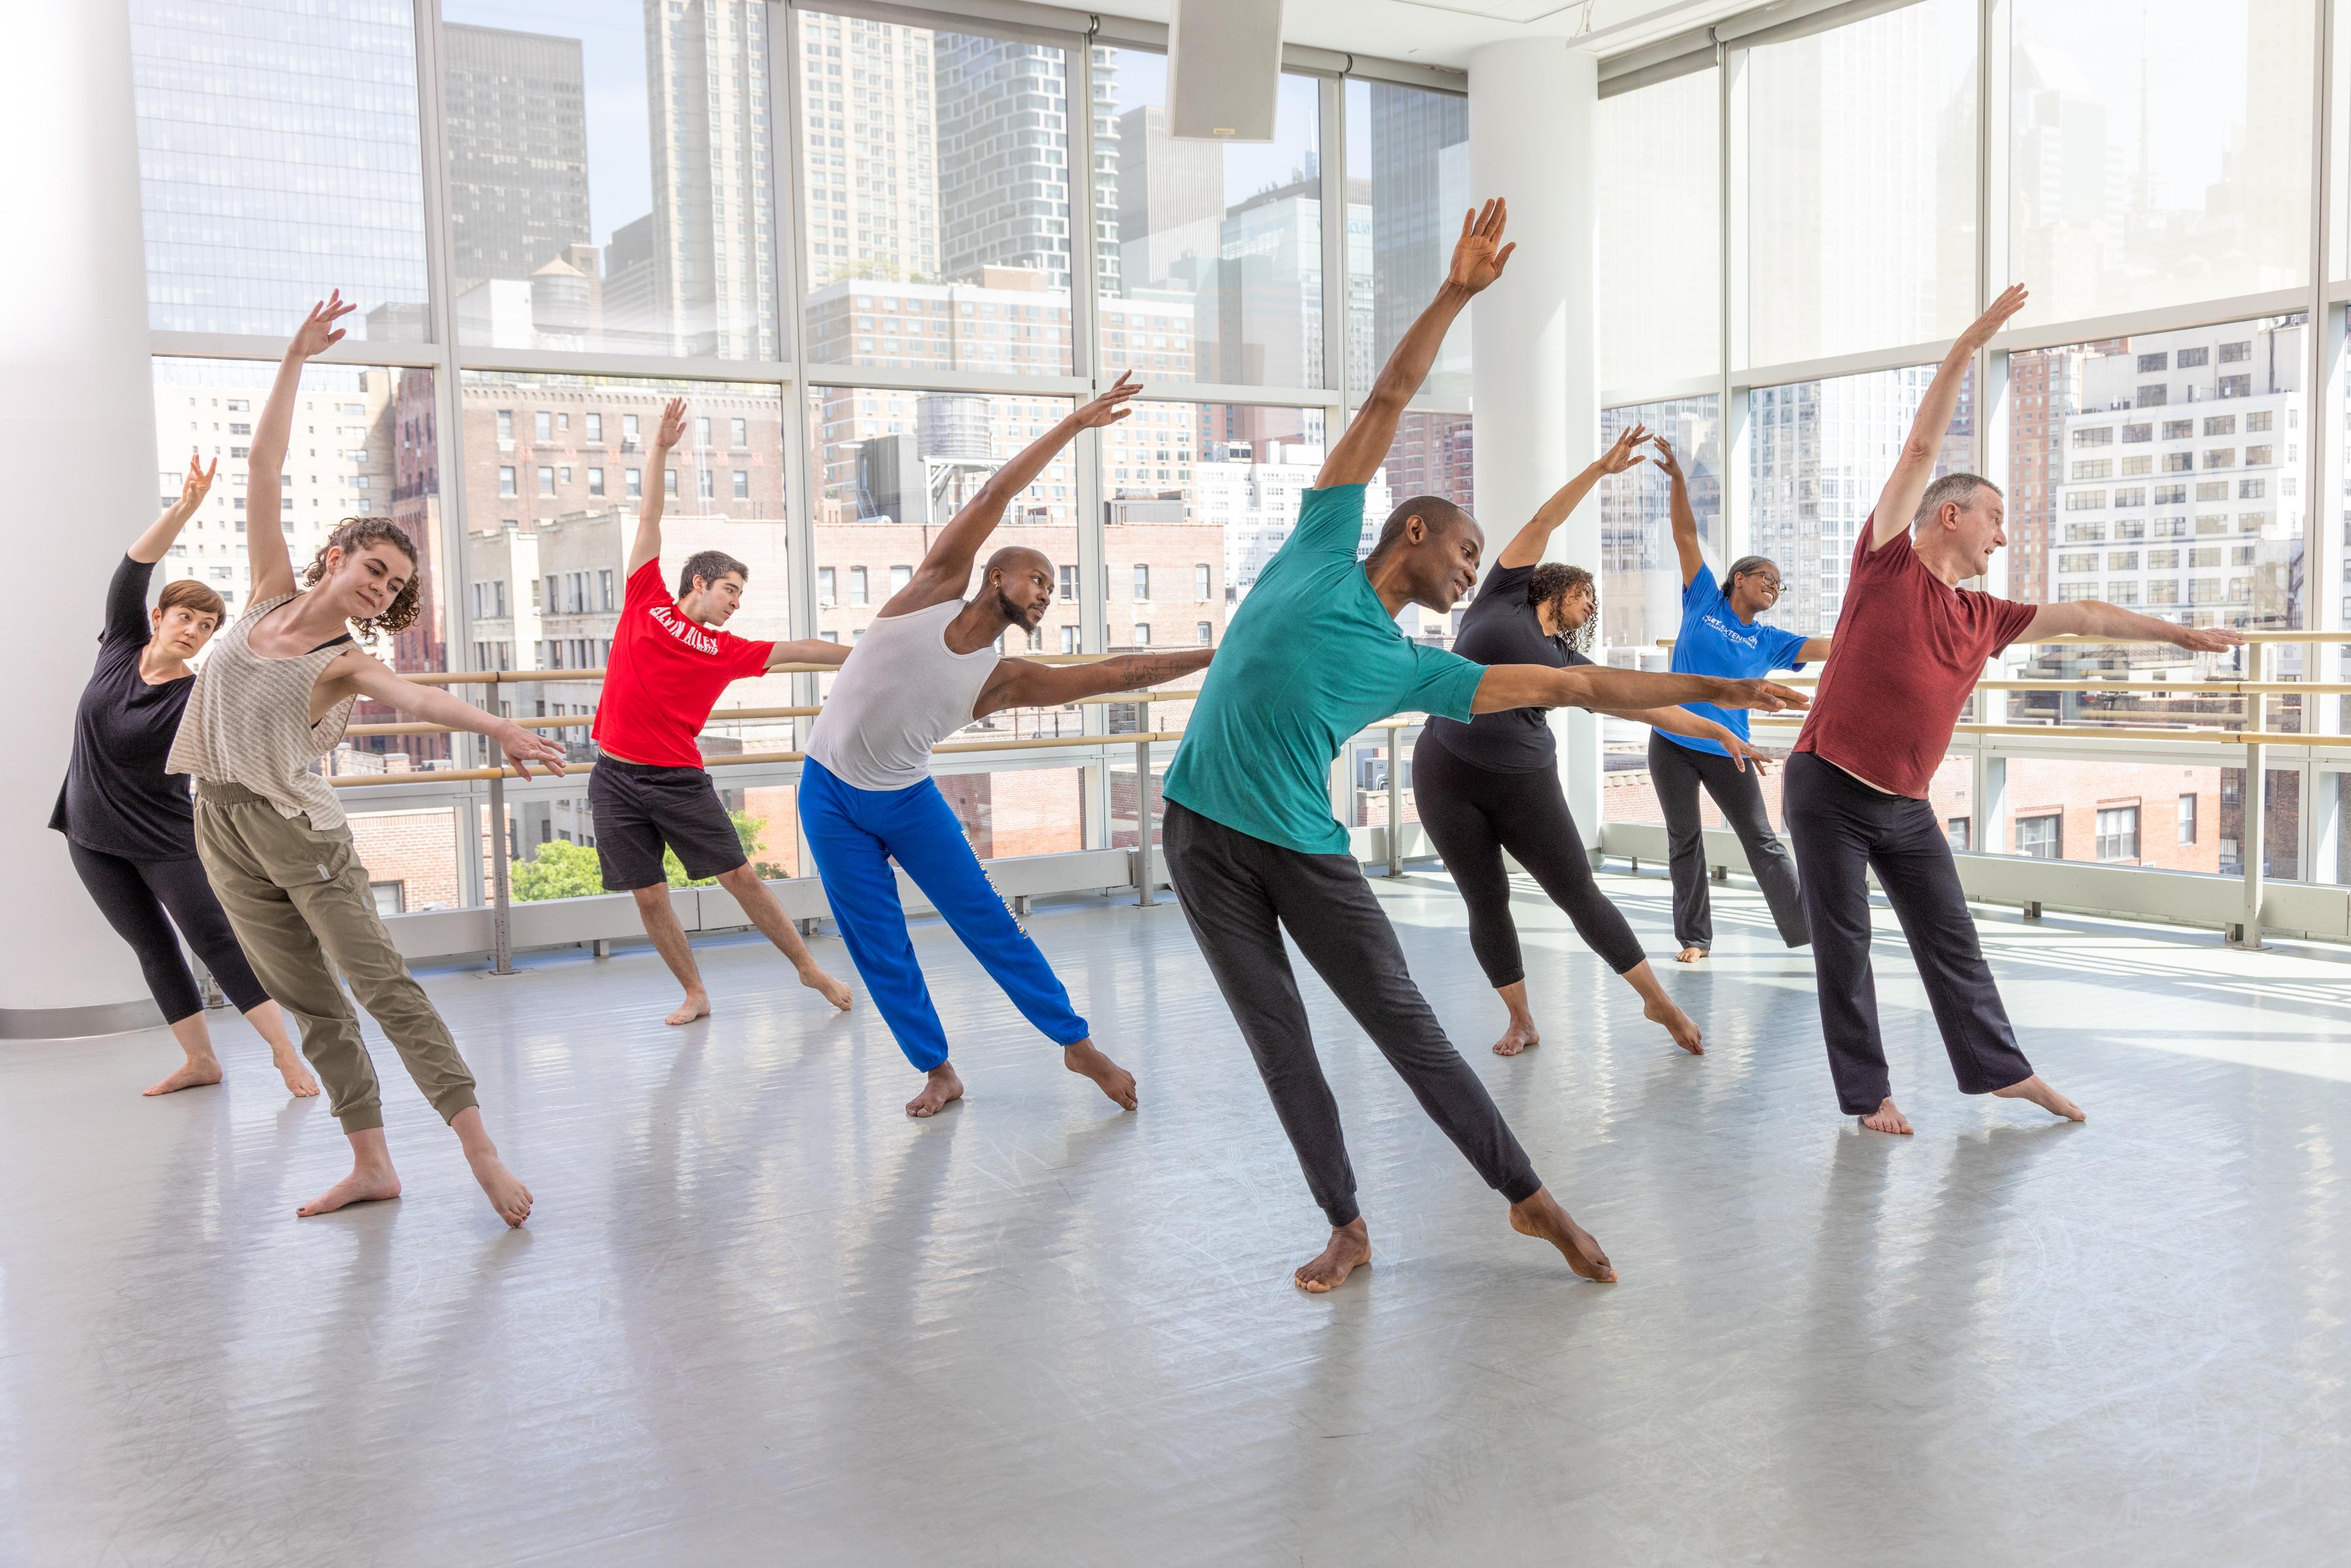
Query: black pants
column 1677, row 772
column 1844, row 830
column 1240, row 894
column 134, row 896
column 1472, row 815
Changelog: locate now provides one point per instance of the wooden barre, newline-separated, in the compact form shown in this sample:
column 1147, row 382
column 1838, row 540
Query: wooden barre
column 745, row 758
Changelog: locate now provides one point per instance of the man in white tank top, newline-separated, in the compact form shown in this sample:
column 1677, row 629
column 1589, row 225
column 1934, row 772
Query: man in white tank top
column 926, row 667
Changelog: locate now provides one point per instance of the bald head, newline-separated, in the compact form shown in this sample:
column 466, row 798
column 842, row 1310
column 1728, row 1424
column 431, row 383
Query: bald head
column 1014, row 558
column 1019, row 584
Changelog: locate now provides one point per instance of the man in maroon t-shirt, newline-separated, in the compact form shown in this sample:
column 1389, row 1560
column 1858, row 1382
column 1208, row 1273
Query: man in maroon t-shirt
column 1909, row 646
column 670, row 659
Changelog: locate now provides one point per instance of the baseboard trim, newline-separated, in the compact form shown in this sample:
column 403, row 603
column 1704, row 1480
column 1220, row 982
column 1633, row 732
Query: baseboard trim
column 74, row 1023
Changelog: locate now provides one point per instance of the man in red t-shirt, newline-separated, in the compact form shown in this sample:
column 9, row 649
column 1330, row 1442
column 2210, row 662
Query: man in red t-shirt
column 1910, row 644
column 670, row 659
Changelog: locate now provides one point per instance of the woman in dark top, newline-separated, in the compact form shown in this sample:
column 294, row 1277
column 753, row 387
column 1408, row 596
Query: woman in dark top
column 1493, row 784
column 128, row 824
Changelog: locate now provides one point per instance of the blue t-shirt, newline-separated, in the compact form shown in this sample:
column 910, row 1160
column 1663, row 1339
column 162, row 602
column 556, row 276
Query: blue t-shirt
column 1311, row 658
column 1714, row 641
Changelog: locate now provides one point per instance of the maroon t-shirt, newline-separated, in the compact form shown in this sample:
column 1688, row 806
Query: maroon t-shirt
column 1914, row 646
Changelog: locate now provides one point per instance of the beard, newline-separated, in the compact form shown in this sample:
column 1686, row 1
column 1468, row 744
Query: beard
column 1026, row 620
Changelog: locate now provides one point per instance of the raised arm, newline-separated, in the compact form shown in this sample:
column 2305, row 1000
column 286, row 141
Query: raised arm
column 1684, row 519
column 2093, row 618
column 150, row 547
column 646, row 546
column 1915, row 469
column 264, row 542
column 1021, row 682
column 1603, row 689
column 809, row 651
column 1526, row 547
column 356, row 674
column 946, row 571
column 1478, row 257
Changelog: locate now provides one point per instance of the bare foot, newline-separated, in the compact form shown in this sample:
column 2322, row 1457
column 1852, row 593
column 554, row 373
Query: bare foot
column 1350, row 1249
column 1541, row 1217
column 1889, row 1118
column 194, row 1073
column 943, row 1090
column 366, row 1184
column 696, row 1006
column 506, row 1192
column 2038, row 1092
column 1689, row 954
column 816, row 979
column 1677, row 1024
column 1086, row 1060
column 298, row 1082
column 1517, row 1038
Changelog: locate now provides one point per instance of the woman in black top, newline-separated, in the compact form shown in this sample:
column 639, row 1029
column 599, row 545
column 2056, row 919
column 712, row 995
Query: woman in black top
column 128, row 824
column 1493, row 784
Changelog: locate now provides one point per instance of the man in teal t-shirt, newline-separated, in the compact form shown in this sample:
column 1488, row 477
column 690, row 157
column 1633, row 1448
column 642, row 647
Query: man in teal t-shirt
column 1312, row 657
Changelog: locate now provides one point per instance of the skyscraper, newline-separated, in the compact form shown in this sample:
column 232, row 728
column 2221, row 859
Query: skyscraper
column 1171, row 198
column 1419, row 149
column 871, row 174
column 518, row 145
column 713, row 216
column 1004, row 172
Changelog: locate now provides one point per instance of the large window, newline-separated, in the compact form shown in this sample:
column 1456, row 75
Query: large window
column 1640, row 569
column 2160, row 152
column 1861, row 185
column 1410, row 148
column 279, row 159
column 1661, row 229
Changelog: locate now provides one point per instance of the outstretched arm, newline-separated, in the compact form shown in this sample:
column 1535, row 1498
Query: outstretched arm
column 356, row 674
column 809, row 651
column 2093, row 618
column 1019, row 683
column 1681, row 721
column 150, row 547
column 1686, row 544
column 1906, row 486
column 1814, row 650
column 946, row 571
column 1478, row 257
column 646, row 546
column 1526, row 547
column 264, row 544
column 1599, row 687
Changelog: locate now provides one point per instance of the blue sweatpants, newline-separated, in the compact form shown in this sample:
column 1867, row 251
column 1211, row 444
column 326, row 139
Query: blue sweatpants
column 855, row 834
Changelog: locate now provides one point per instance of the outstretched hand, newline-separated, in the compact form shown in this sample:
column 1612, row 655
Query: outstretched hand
column 319, row 332
column 1112, row 406
column 1763, row 696
column 1988, row 325
column 1668, row 463
column 1479, row 255
column 2209, row 639
column 1620, row 455
column 673, row 424
column 196, row 485
column 1741, row 753
column 524, row 746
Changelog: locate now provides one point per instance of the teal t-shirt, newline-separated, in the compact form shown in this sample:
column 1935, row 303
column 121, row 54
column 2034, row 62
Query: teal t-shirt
column 1310, row 658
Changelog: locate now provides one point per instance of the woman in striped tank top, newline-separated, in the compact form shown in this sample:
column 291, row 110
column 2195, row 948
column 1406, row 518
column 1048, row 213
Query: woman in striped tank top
column 274, row 695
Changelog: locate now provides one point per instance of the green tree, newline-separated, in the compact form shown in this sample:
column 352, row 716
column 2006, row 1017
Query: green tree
column 565, row 870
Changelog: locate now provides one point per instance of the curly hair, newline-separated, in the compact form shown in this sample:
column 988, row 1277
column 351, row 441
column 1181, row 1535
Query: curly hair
column 1551, row 583
column 355, row 533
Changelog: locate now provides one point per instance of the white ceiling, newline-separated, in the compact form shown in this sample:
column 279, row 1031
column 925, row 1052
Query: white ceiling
column 1445, row 32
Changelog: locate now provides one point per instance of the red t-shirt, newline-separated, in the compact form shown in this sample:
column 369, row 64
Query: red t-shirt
column 1915, row 647
column 664, row 675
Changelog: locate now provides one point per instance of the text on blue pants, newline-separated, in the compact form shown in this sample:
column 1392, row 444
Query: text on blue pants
column 854, row 835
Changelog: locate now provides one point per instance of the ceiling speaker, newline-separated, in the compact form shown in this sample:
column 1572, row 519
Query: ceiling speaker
column 1223, row 69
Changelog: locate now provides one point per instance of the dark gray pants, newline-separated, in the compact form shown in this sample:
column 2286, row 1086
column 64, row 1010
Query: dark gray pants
column 1844, row 831
column 1679, row 772
column 1240, row 894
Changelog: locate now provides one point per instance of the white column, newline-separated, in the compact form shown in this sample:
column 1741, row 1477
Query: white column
column 1534, row 367
column 78, row 402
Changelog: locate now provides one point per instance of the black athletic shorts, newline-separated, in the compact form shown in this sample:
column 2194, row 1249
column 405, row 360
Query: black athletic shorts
column 640, row 809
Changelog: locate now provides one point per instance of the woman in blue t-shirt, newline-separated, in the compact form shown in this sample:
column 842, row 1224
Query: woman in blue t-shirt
column 1720, row 637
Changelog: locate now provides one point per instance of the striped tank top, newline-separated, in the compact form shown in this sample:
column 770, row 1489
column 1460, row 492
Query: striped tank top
column 248, row 722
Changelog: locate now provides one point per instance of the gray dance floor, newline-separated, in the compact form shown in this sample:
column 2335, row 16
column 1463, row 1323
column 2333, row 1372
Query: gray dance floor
column 761, row 1317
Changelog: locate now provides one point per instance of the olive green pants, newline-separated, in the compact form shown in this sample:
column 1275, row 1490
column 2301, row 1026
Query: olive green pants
column 299, row 903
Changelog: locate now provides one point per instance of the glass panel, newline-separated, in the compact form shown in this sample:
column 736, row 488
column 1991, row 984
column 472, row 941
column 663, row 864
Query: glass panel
column 648, row 226
column 1629, row 795
column 1416, row 147
column 1822, row 452
column 1861, row 185
column 1640, row 573
column 2160, row 151
column 936, row 198
column 409, row 853
column 1660, row 208
column 279, row 158
column 2125, row 811
column 1218, row 246
column 1025, row 811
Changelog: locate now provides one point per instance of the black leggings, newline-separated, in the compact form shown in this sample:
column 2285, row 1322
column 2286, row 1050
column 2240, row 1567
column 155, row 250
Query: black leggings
column 1472, row 815
column 134, row 896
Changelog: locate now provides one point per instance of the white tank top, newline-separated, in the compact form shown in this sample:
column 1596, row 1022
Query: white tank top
column 248, row 722
column 901, row 692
